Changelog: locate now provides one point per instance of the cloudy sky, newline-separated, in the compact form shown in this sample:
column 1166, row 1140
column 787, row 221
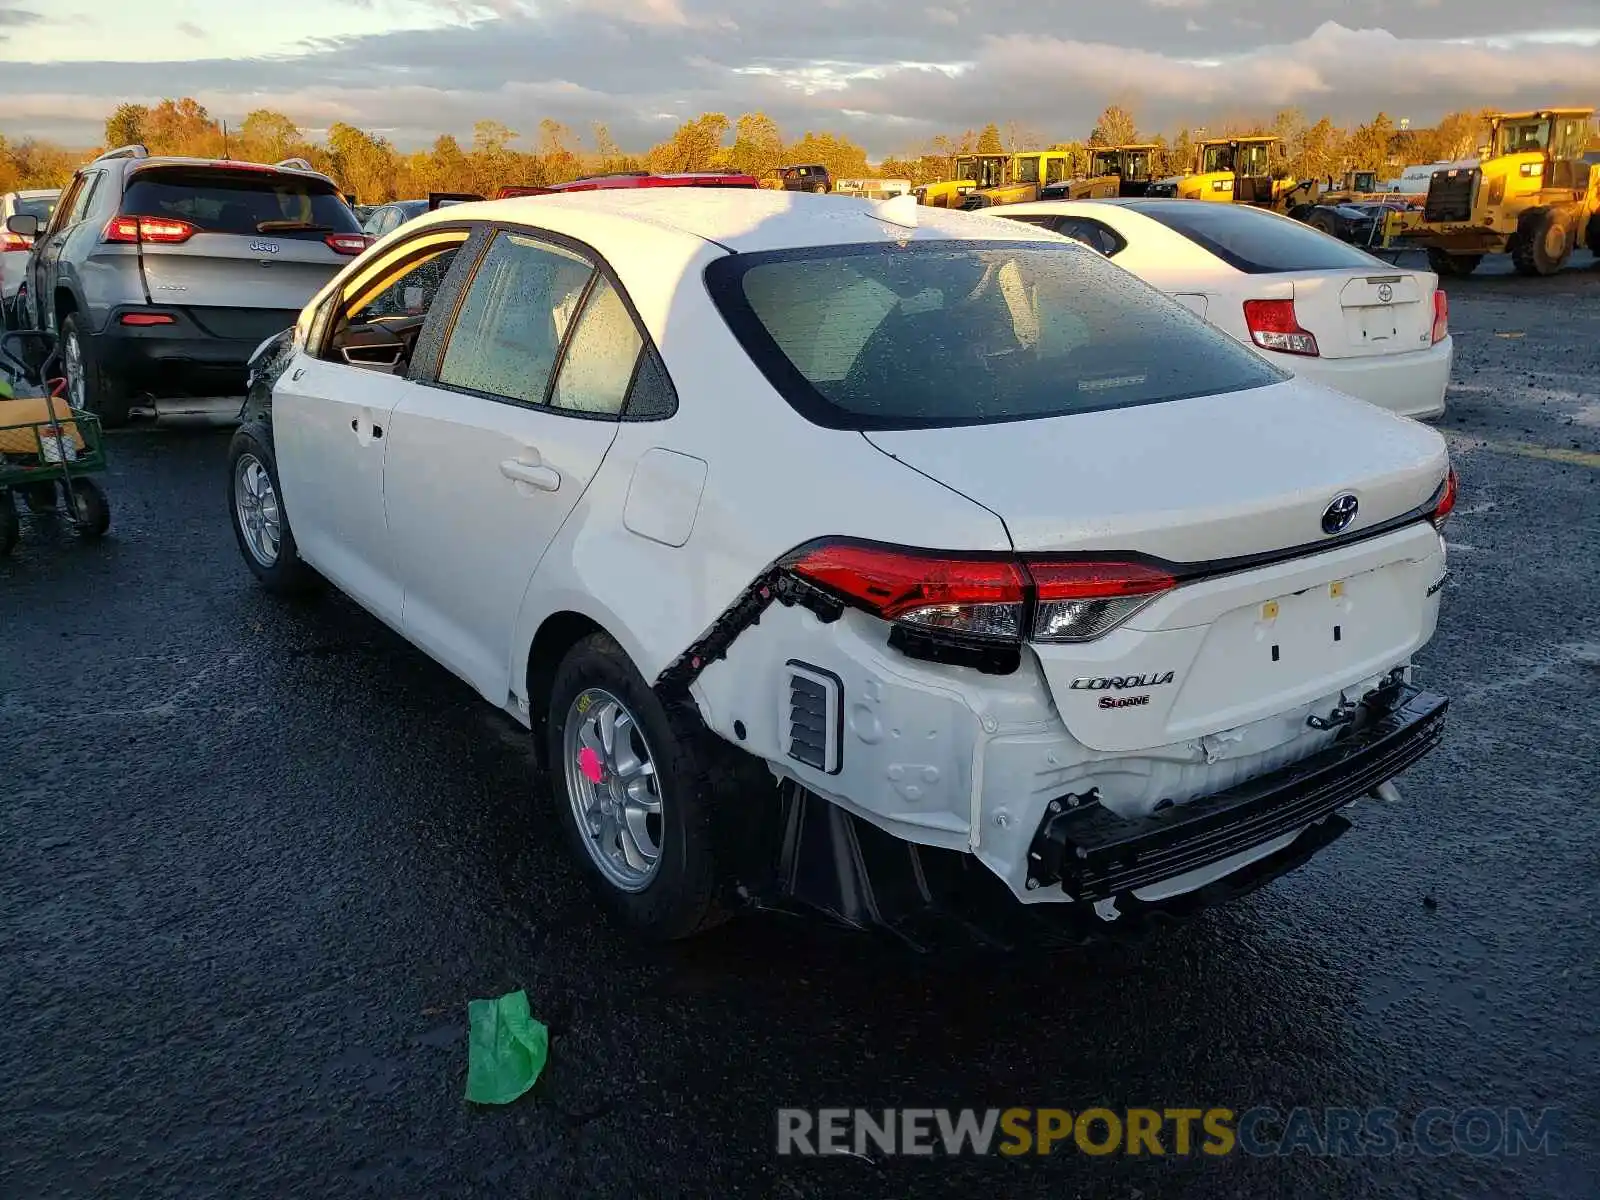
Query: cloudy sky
column 888, row 72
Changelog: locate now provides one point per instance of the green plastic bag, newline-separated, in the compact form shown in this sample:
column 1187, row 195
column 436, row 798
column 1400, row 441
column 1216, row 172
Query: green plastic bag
column 5, row 390
column 506, row 1049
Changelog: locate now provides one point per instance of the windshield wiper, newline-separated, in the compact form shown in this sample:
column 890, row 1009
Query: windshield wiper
column 291, row 227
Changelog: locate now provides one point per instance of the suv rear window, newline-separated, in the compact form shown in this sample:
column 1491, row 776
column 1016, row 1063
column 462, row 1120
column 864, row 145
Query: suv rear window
column 1257, row 242
column 943, row 333
column 245, row 202
column 36, row 206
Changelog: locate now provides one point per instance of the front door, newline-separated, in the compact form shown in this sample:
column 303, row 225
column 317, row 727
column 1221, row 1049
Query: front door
column 331, row 415
column 485, row 464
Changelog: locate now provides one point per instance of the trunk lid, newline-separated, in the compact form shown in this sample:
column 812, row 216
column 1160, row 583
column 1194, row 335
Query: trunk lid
column 1196, row 480
column 1203, row 482
column 1361, row 313
column 237, row 271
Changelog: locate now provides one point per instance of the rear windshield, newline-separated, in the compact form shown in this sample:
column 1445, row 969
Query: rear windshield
column 945, row 333
column 36, row 206
column 240, row 202
column 1257, row 242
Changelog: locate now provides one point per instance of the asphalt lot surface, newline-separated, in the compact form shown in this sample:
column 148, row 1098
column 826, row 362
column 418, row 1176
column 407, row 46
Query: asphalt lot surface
column 257, row 857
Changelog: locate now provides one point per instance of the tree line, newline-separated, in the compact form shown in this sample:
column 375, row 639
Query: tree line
column 372, row 169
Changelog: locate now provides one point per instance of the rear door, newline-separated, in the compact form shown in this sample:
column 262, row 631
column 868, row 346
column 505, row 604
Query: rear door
column 46, row 258
column 485, row 465
column 237, row 241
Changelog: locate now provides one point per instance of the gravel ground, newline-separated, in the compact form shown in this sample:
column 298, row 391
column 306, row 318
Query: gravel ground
column 257, row 857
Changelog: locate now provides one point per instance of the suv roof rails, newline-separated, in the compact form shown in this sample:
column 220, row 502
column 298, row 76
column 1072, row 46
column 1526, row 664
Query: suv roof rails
column 298, row 164
column 134, row 151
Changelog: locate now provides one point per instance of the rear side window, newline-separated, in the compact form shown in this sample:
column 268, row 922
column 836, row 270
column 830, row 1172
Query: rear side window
column 240, row 202
column 1256, row 242
column 961, row 333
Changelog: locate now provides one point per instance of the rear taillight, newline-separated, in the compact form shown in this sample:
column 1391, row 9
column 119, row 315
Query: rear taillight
column 1274, row 326
column 1441, row 316
column 164, row 231
column 974, row 597
column 981, row 598
column 13, row 241
column 1445, row 501
column 347, row 243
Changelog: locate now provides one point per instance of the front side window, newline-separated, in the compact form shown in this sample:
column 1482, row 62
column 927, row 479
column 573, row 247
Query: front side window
column 84, row 197
column 1028, row 169
column 959, row 333
column 382, row 310
column 516, row 312
column 1056, row 171
column 1253, row 159
column 1520, row 137
column 63, row 214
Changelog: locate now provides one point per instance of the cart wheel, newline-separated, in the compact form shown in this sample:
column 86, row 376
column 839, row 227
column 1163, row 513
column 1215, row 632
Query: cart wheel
column 91, row 510
column 10, row 525
column 39, row 497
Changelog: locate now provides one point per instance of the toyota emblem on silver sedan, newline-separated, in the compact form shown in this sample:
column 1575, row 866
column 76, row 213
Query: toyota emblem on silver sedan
column 1337, row 516
column 1385, row 292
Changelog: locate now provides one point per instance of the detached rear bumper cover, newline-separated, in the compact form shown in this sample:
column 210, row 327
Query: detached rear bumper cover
column 1094, row 854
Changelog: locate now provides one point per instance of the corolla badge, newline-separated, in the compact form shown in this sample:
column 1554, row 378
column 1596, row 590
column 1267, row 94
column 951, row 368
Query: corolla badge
column 1337, row 516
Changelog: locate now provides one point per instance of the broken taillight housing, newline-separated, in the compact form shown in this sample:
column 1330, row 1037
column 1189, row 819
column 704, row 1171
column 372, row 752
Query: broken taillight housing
column 1273, row 325
column 940, row 601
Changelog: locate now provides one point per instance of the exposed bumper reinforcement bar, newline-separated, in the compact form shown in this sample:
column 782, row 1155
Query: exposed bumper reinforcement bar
column 1095, row 854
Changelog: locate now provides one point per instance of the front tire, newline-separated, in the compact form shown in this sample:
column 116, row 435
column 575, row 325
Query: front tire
column 1541, row 245
column 260, row 524
column 91, row 511
column 633, row 782
column 1452, row 266
column 90, row 386
column 10, row 523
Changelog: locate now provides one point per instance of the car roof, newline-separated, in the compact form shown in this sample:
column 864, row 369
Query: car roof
column 741, row 220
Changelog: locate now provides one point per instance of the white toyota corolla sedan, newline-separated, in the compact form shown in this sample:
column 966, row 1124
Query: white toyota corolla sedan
column 1329, row 312
column 832, row 549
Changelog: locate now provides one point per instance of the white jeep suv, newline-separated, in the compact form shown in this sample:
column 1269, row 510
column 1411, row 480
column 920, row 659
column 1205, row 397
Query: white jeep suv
column 817, row 540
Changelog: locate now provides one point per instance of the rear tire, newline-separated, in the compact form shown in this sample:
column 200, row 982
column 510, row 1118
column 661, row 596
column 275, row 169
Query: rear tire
column 39, row 497
column 10, row 523
column 91, row 511
column 89, row 385
column 686, row 887
column 1541, row 245
column 821, row 189
column 260, row 522
column 1452, row 266
column 1594, row 236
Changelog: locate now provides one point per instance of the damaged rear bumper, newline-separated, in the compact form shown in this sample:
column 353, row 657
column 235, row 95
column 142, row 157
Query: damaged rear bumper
column 1093, row 854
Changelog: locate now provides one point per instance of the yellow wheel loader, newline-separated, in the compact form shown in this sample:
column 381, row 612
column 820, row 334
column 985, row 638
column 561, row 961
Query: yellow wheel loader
column 1535, row 196
column 968, row 173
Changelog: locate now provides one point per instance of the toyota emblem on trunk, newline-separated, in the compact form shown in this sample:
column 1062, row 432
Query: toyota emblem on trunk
column 1385, row 292
column 1337, row 516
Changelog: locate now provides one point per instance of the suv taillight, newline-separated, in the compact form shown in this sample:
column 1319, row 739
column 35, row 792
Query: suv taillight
column 1274, row 326
column 13, row 241
column 1441, row 316
column 347, row 243
column 946, row 599
column 164, row 231
column 1445, row 501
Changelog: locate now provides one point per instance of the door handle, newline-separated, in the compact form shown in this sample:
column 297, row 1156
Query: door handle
column 298, row 371
column 534, row 474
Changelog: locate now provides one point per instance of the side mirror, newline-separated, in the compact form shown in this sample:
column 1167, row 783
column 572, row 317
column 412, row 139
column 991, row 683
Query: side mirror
column 23, row 225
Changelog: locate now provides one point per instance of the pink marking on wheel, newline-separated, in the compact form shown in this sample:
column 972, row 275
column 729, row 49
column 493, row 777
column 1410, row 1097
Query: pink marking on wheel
column 589, row 763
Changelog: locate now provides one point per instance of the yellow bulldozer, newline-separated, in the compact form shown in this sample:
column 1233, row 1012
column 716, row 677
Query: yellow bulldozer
column 1535, row 195
column 1235, row 170
column 968, row 174
column 1113, row 171
column 1026, row 176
